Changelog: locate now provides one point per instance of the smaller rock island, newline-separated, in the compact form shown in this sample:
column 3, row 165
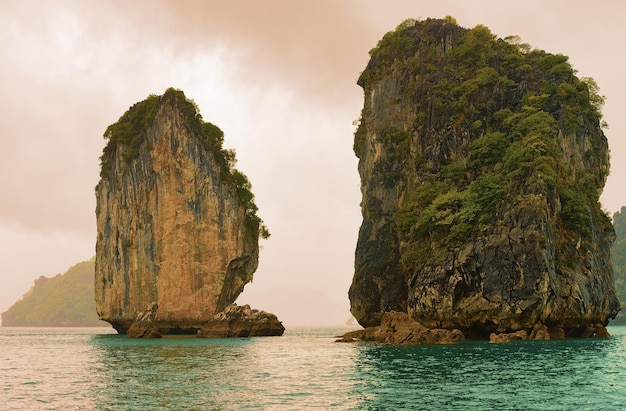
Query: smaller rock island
column 177, row 226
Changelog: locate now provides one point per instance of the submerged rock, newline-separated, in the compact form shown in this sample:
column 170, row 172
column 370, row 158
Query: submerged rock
column 176, row 223
column 241, row 321
column 481, row 166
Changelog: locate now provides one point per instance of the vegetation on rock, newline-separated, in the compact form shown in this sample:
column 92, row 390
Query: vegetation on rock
column 619, row 261
column 65, row 300
column 482, row 162
column 177, row 223
column 129, row 132
column 511, row 104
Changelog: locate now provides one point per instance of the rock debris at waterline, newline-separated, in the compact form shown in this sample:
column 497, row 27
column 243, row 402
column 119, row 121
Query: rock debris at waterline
column 241, row 321
column 234, row 322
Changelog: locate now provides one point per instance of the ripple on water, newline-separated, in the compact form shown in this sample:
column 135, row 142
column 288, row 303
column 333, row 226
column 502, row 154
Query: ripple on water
column 60, row 369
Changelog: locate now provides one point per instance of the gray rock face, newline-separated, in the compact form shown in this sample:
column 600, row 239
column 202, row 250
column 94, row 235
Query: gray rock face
column 480, row 177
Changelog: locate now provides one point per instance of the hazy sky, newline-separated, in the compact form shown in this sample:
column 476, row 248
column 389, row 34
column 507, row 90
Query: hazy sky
column 278, row 77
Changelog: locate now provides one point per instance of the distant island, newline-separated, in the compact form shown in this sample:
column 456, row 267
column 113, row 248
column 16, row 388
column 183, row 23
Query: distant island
column 619, row 263
column 65, row 300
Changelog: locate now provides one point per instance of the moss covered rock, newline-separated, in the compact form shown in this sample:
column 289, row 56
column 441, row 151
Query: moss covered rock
column 481, row 164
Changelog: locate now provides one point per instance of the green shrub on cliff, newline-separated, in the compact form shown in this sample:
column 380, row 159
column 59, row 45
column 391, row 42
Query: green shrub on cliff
column 499, row 111
column 619, row 260
column 130, row 131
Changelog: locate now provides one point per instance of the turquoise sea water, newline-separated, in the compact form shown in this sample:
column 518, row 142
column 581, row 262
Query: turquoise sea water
column 82, row 368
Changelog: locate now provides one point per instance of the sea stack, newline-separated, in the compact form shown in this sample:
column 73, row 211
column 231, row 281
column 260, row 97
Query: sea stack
column 481, row 164
column 177, row 227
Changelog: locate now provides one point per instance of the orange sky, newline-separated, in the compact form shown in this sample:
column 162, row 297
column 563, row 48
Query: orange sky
column 278, row 77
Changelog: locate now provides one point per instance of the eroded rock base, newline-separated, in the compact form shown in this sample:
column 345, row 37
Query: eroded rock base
column 143, row 326
column 399, row 328
column 242, row 321
column 542, row 332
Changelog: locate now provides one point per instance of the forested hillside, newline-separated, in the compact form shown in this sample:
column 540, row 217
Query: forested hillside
column 65, row 300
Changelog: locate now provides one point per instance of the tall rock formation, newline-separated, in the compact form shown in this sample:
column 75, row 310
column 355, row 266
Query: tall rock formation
column 177, row 225
column 481, row 164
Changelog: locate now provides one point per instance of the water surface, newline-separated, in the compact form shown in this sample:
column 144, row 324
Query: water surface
column 91, row 368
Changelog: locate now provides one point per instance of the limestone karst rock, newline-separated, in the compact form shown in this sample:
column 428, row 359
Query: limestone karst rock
column 481, row 164
column 176, row 223
column 619, row 263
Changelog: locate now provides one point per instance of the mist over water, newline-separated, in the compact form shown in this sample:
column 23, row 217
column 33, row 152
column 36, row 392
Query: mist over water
column 60, row 369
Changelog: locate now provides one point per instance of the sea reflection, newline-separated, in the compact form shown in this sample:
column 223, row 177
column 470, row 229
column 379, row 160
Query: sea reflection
column 169, row 373
column 302, row 369
column 546, row 375
column 59, row 369
column 45, row 368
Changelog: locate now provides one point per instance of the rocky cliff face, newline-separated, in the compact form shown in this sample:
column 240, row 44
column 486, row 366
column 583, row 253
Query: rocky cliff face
column 619, row 262
column 173, row 225
column 481, row 166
